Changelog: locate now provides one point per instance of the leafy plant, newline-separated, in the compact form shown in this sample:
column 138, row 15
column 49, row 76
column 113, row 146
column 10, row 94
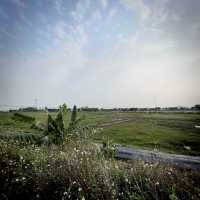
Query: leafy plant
column 58, row 129
column 173, row 195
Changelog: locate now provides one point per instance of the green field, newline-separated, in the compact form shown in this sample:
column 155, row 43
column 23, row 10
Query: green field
column 168, row 132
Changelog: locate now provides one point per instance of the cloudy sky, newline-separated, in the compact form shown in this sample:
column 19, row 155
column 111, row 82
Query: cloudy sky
column 105, row 53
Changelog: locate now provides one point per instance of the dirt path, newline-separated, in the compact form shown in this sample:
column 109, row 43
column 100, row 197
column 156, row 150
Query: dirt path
column 187, row 162
column 114, row 121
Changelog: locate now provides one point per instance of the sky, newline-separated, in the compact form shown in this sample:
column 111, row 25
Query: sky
column 100, row 53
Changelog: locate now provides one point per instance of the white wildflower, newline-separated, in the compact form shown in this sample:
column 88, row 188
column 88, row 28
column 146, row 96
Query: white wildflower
column 157, row 183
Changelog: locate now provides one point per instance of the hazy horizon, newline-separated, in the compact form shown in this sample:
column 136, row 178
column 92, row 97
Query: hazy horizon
column 100, row 53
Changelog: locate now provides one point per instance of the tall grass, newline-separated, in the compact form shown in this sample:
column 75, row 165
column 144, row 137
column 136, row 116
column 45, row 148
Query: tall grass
column 79, row 170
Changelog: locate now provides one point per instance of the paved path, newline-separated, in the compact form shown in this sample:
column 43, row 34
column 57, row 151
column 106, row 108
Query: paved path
column 188, row 162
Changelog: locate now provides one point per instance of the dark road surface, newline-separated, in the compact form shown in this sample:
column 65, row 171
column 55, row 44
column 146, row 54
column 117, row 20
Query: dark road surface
column 187, row 162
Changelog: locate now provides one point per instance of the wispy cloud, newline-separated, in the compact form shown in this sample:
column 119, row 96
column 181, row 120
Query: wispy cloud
column 7, row 33
column 104, row 3
column 81, row 9
column 112, row 12
column 60, row 29
column 19, row 3
column 3, row 14
column 138, row 6
column 25, row 19
column 141, row 48
column 58, row 4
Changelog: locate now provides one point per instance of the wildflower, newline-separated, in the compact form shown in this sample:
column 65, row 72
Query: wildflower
column 126, row 180
column 169, row 173
column 64, row 193
column 79, row 189
column 157, row 183
column 146, row 165
column 16, row 179
column 23, row 178
column 131, row 169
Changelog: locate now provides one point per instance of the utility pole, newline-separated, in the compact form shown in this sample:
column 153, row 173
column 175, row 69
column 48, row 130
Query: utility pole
column 35, row 103
column 155, row 102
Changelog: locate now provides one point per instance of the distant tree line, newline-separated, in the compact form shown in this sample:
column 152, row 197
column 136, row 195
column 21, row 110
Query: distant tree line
column 132, row 109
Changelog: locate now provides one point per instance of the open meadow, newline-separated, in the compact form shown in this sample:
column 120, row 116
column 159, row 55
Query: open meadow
column 167, row 132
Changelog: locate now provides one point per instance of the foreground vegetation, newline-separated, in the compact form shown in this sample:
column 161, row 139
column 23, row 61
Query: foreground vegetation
column 79, row 170
column 54, row 156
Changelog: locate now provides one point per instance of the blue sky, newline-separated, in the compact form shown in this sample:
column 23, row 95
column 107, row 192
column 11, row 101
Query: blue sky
column 104, row 53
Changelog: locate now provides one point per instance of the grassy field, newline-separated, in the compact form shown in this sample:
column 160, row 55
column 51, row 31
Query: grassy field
column 168, row 132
